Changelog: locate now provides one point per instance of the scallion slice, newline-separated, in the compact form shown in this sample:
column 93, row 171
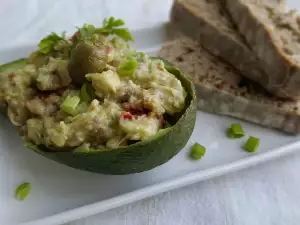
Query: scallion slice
column 235, row 131
column 22, row 191
column 252, row 144
column 69, row 105
column 127, row 68
column 230, row 133
column 198, row 151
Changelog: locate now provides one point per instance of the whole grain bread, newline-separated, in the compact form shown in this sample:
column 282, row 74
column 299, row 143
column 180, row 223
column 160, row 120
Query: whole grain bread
column 222, row 90
column 274, row 36
column 207, row 22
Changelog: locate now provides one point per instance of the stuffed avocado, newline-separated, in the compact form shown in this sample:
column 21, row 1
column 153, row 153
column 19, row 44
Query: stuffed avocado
column 92, row 102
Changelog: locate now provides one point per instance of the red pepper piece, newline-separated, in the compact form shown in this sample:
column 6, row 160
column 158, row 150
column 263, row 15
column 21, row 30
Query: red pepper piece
column 11, row 75
column 127, row 115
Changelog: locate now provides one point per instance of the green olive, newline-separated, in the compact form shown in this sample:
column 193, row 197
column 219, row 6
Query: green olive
column 87, row 57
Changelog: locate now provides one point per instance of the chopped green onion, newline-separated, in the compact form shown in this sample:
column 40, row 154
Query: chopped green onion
column 22, row 191
column 69, row 105
column 237, row 129
column 87, row 93
column 198, row 151
column 82, row 107
column 127, row 68
column 230, row 133
column 252, row 144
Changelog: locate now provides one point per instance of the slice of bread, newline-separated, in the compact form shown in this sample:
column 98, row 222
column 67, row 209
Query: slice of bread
column 274, row 36
column 222, row 90
column 207, row 22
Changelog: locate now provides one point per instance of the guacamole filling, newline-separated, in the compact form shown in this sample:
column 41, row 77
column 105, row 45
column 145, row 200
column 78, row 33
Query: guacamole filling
column 122, row 96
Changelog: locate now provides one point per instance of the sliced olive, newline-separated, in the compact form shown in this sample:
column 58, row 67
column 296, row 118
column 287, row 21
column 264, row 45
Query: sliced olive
column 87, row 57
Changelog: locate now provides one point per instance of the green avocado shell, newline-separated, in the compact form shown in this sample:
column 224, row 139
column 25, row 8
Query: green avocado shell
column 138, row 157
column 12, row 66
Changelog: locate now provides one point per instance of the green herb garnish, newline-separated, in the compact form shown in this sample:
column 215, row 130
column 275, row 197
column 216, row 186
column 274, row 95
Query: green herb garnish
column 252, row 144
column 70, row 104
column 127, row 68
column 198, row 151
column 230, row 133
column 82, row 107
column 86, row 31
column 235, row 131
column 22, row 191
column 48, row 43
column 111, row 26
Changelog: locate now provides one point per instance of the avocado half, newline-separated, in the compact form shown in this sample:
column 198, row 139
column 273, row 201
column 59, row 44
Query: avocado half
column 135, row 158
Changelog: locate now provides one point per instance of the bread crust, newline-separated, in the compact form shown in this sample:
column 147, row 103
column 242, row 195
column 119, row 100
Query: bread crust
column 219, row 92
column 283, row 73
column 185, row 17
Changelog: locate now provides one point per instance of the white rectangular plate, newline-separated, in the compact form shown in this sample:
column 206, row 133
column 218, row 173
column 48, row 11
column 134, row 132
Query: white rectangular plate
column 60, row 194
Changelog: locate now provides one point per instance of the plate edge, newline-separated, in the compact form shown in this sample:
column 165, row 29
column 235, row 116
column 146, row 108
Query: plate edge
column 188, row 179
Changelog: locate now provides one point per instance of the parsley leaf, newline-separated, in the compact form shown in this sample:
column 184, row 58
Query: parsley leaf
column 48, row 43
column 86, row 31
column 111, row 26
column 112, row 22
column 123, row 33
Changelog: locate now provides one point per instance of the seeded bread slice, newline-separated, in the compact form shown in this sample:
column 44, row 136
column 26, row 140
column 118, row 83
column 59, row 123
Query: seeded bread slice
column 207, row 22
column 222, row 90
column 274, row 36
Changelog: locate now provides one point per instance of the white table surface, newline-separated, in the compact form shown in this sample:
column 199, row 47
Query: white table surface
column 268, row 194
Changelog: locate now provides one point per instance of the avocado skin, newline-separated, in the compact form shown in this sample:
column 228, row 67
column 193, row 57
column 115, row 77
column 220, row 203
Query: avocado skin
column 12, row 66
column 136, row 158
column 141, row 156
